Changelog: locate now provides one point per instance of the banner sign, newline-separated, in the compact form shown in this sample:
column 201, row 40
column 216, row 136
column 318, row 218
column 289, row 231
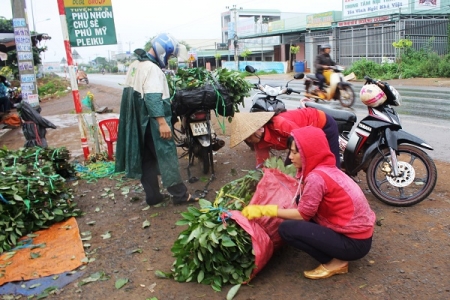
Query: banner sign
column 320, row 20
column 90, row 22
column 352, row 8
column 364, row 21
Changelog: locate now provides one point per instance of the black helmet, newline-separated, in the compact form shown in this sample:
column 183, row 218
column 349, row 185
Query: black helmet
column 325, row 46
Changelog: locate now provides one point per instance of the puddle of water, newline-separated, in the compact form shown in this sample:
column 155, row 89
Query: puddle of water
column 69, row 120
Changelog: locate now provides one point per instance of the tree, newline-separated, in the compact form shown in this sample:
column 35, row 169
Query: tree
column 401, row 45
column 246, row 53
column 293, row 50
column 6, row 26
column 217, row 56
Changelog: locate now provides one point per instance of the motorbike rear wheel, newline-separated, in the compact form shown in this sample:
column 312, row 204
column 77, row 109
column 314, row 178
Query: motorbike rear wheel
column 417, row 179
column 346, row 96
column 205, row 156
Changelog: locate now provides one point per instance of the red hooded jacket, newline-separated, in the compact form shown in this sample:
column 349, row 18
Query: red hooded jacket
column 279, row 128
column 328, row 196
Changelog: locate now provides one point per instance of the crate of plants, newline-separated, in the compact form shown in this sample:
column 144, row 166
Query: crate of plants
column 219, row 245
column 221, row 90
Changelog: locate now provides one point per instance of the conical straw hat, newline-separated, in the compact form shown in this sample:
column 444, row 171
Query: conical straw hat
column 244, row 124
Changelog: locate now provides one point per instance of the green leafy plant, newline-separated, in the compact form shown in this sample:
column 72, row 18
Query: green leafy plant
column 33, row 192
column 235, row 83
column 246, row 53
column 214, row 249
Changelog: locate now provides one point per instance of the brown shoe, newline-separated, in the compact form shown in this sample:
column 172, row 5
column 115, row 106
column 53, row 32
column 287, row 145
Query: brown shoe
column 322, row 272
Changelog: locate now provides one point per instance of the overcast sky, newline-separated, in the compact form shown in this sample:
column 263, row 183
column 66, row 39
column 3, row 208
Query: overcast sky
column 136, row 21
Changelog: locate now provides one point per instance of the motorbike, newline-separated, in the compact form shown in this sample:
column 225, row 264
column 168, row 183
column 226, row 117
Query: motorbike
column 398, row 171
column 336, row 89
column 266, row 99
column 82, row 77
column 194, row 133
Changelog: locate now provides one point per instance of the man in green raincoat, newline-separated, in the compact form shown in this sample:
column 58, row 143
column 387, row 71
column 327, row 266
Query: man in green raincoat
column 145, row 147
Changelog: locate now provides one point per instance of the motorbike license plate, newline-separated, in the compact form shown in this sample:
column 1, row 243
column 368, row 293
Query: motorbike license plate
column 199, row 128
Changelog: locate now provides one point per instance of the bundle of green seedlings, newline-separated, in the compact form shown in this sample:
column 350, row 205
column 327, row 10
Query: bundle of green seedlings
column 214, row 249
column 33, row 193
column 234, row 82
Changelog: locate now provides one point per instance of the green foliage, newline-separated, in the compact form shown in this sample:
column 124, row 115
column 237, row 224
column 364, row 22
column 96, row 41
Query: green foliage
column 214, row 249
column 246, row 53
column 6, row 26
column 294, row 49
column 213, row 252
column 52, row 86
column 33, row 192
column 233, row 81
column 7, row 72
column 365, row 67
column 413, row 63
column 173, row 63
column 402, row 44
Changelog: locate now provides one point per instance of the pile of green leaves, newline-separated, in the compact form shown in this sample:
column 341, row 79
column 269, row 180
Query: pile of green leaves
column 234, row 82
column 214, row 249
column 33, row 192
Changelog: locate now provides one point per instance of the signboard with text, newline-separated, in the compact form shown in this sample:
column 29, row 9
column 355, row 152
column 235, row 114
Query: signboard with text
column 320, row 20
column 90, row 22
column 359, row 8
column 363, row 21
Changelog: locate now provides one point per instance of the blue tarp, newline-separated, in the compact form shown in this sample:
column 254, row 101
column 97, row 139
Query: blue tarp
column 39, row 285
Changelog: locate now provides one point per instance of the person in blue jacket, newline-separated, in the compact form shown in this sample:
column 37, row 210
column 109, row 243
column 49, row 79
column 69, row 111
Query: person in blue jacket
column 5, row 104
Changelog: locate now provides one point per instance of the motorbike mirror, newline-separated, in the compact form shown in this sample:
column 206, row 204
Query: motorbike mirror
column 250, row 69
column 299, row 76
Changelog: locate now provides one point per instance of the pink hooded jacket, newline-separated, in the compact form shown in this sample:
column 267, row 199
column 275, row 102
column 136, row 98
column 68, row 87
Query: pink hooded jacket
column 328, row 196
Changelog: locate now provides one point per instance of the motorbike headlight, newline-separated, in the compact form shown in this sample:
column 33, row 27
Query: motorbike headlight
column 271, row 91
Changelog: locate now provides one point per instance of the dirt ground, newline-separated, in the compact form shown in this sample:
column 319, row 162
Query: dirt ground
column 409, row 257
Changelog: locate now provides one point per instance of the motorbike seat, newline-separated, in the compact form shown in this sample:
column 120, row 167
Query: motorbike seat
column 337, row 114
column 314, row 79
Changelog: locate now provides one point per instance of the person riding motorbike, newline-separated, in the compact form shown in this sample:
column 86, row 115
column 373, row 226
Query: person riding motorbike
column 323, row 62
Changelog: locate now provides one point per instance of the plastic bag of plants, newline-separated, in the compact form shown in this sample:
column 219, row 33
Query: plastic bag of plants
column 220, row 246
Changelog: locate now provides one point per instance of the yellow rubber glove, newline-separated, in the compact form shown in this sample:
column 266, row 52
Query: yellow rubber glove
column 258, row 211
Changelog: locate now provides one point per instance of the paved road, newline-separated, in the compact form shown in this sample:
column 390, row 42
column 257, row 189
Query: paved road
column 425, row 111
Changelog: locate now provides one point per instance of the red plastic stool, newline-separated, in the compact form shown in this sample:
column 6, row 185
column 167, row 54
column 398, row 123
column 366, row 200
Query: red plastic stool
column 109, row 129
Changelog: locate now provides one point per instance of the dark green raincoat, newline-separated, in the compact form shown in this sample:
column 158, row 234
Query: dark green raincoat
column 145, row 97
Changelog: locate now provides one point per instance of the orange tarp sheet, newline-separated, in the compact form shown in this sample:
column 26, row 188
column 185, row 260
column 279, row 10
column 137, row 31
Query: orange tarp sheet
column 63, row 252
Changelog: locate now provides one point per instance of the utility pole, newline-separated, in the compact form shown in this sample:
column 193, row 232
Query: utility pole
column 24, row 49
column 235, row 38
column 262, row 41
column 236, row 58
